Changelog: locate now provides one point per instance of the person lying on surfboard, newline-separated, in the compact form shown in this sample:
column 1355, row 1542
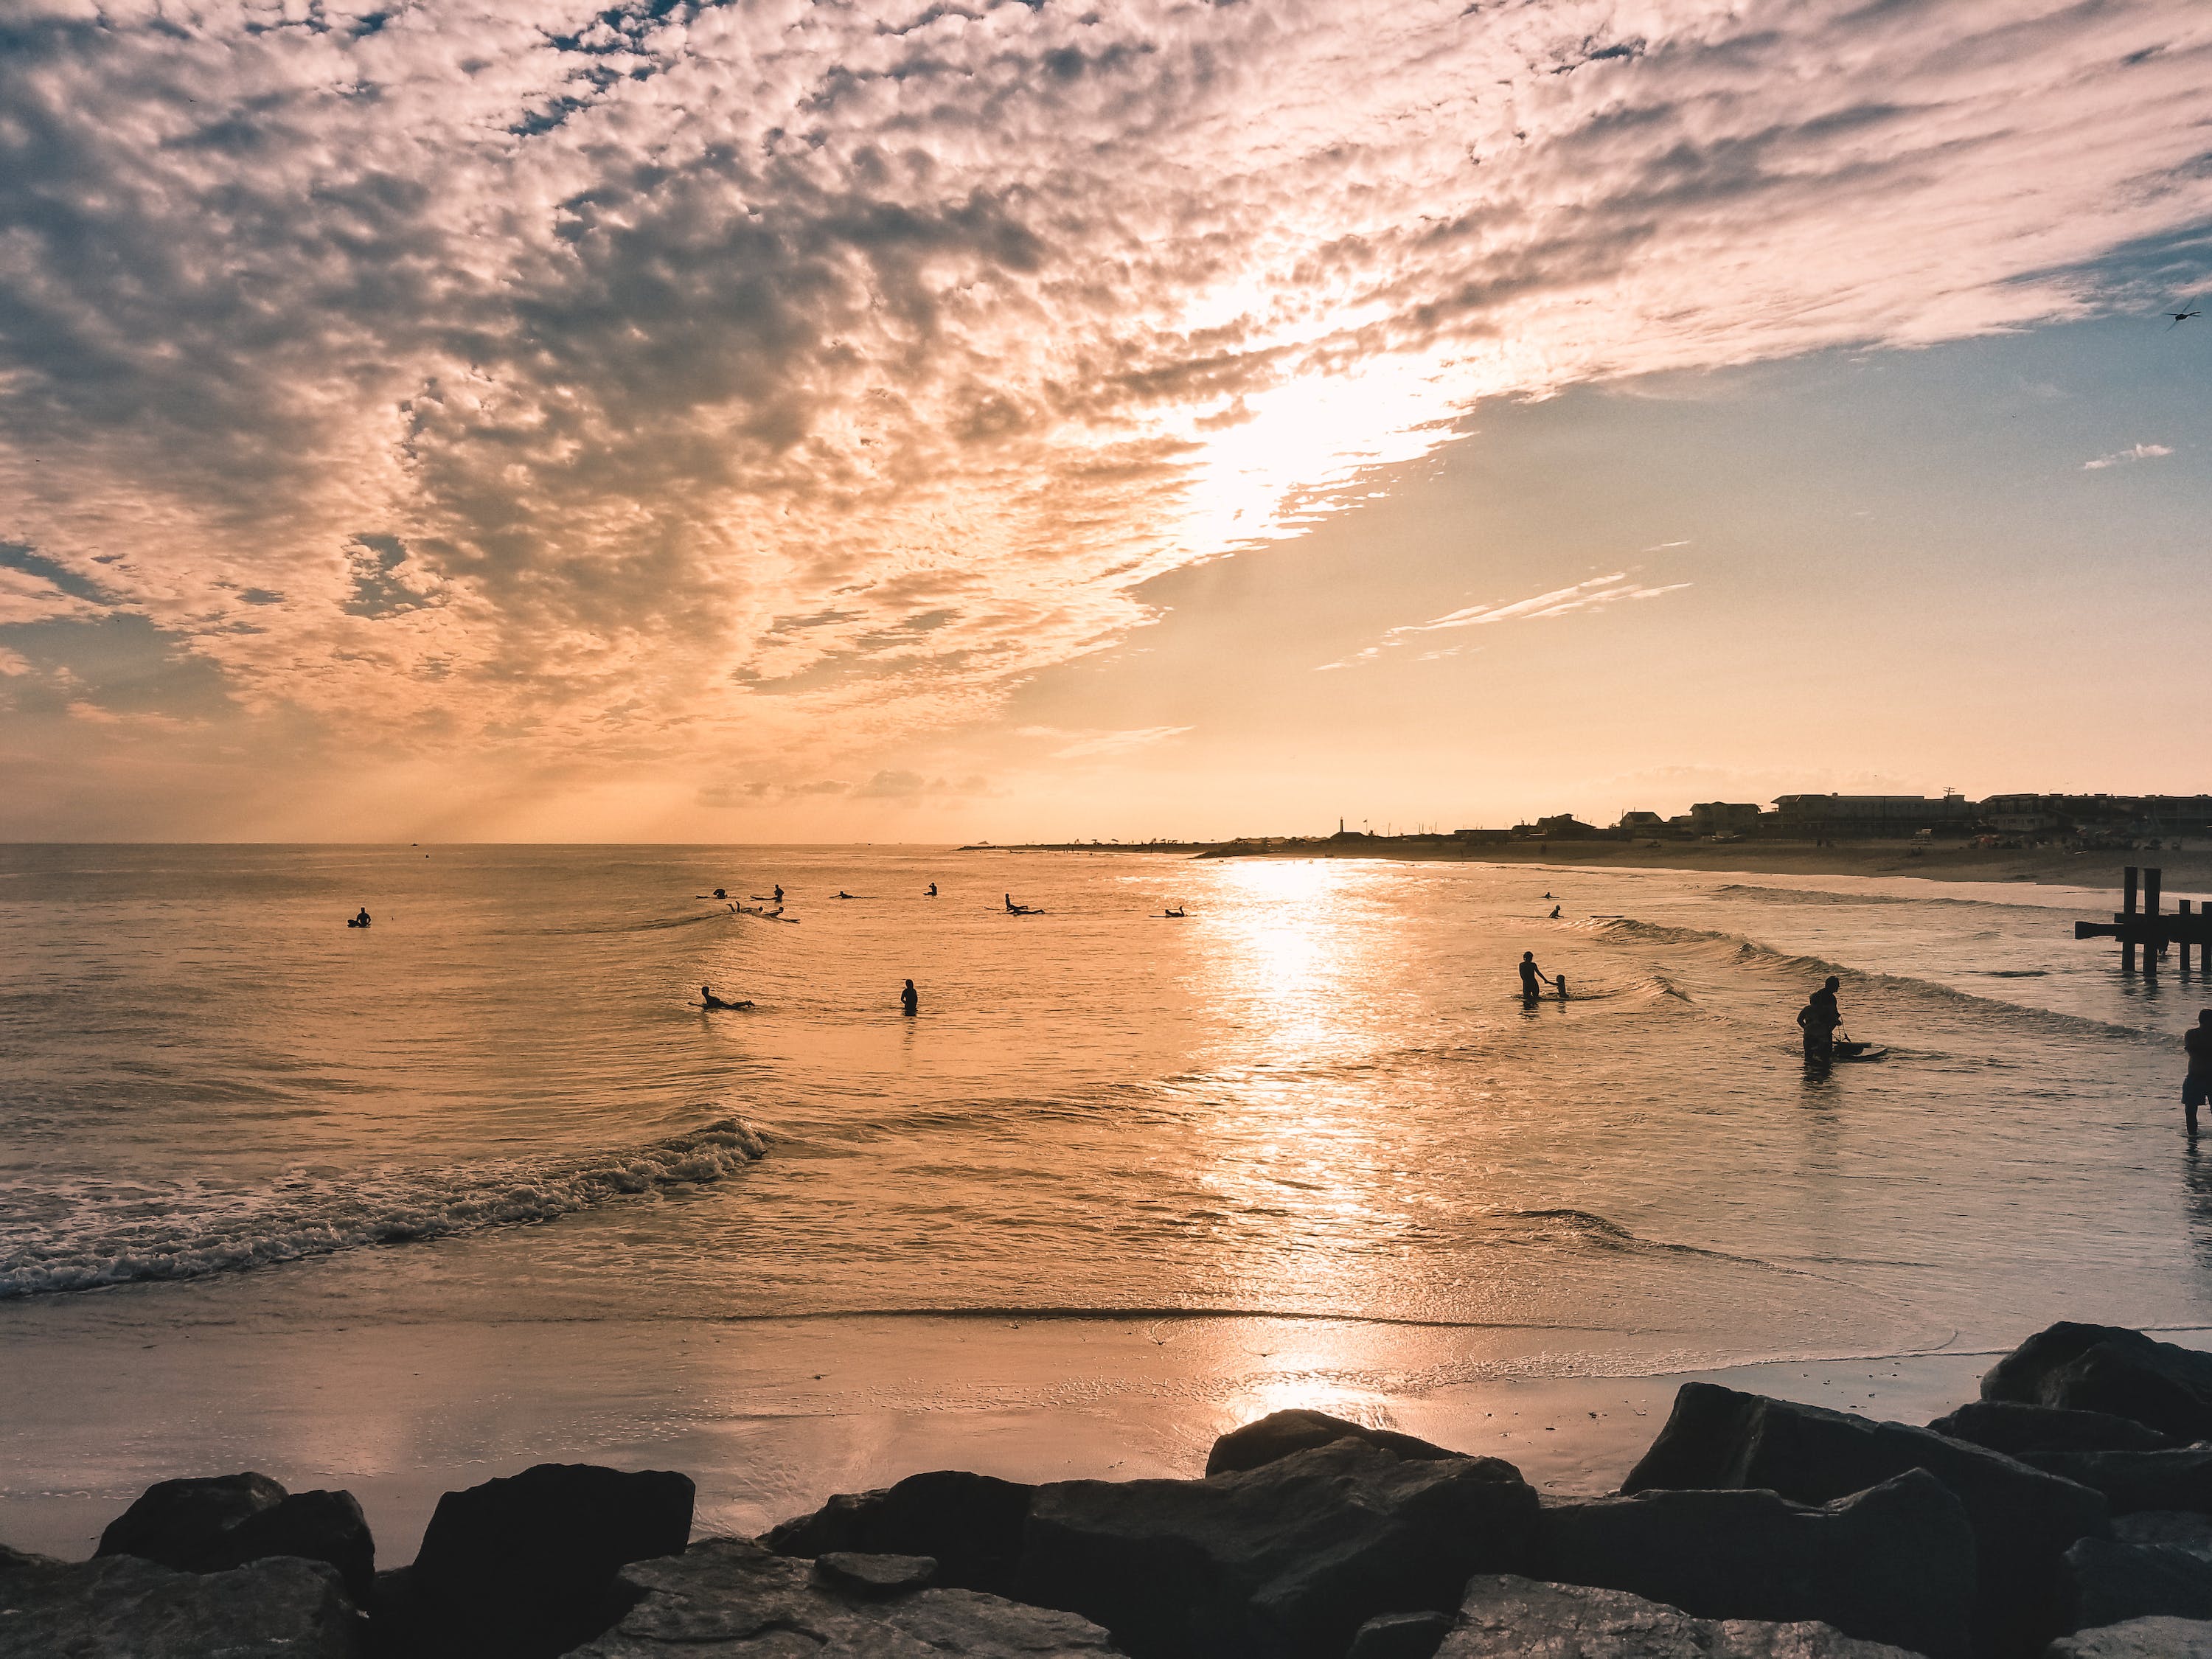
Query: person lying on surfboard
column 709, row 999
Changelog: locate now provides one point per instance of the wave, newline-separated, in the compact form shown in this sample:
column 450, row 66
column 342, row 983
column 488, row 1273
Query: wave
column 1741, row 950
column 315, row 1215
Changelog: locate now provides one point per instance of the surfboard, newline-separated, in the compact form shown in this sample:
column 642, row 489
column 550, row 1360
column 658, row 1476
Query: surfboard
column 1861, row 1050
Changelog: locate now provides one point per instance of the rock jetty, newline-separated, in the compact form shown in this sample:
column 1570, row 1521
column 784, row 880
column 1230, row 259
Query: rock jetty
column 2065, row 1515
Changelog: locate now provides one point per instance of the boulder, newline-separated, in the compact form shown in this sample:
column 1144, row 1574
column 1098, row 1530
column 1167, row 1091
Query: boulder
column 1284, row 1561
column 969, row 1524
column 2012, row 1426
column 1280, row 1433
column 527, row 1567
column 730, row 1596
column 1893, row 1563
column 2023, row 1518
column 1400, row 1635
column 2108, row 1582
column 1508, row 1617
column 2138, row 1639
column 2110, row 1369
column 2178, row 1479
column 215, row 1523
column 126, row 1606
column 2183, row 1530
column 872, row 1576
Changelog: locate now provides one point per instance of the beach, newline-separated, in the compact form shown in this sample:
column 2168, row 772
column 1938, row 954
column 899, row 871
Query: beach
column 401, row 1210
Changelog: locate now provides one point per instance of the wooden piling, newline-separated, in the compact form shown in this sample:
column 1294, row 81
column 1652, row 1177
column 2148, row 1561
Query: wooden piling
column 2154, row 942
column 2127, row 918
column 2183, row 907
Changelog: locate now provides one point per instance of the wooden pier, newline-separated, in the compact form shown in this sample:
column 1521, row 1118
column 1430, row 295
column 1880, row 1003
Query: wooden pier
column 2151, row 929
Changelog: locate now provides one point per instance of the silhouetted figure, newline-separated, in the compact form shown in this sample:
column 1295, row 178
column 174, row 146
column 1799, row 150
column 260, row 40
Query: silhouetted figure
column 842, row 893
column 709, row 999
column 1532, row 976
column 1014, row 910
column 776, row 893
column 2196, row 1084
column 1177, row 911
column 909, row 1001
column 1561, row 981
column 932, row 893
column 1818, row 1019
column 720, row 894
column 1555, row 912
column 2181, row 317
column 361, row 921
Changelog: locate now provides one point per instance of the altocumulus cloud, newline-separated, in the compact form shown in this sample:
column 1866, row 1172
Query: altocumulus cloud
column 590, row 382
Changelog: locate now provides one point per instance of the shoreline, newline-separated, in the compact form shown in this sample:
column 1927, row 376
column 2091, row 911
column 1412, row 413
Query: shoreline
column 2187, row 871
column 774, row 1418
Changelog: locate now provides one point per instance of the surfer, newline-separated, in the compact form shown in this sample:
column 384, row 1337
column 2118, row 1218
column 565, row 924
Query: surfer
column 1177, row 911
column 720, row 894
column 709, row 999
column 1555, row 912
column 361, row 921
column 1014, row 910
column 909, row 1001
column 1532, row 976
column 1818, row 1019
column 842, row 893
column 932, row 893
column 2196, row 1084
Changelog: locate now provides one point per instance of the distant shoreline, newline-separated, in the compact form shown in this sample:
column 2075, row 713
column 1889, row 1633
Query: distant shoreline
column 2186, row 871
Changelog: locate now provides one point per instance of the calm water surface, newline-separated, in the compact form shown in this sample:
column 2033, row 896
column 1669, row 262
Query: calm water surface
column 1318, row 1094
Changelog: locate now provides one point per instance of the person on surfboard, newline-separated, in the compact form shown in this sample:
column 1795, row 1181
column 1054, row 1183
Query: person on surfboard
column 361, row 921
column 709, row 999
column 932, row 893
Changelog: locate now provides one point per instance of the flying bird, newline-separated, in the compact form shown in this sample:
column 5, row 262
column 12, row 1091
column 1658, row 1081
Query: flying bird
column 2183, row 316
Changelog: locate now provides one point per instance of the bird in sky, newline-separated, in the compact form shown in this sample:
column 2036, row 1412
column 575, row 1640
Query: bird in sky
column 2183, row 316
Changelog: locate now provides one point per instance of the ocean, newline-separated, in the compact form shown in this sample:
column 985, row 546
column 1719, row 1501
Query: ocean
column 227, row 1118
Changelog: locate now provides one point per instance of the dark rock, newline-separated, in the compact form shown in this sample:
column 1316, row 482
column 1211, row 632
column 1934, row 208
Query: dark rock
column 2180, row 1478
column 2183, row 1530
column 2138, row 1639
column 1893, row 1563
column 123, row 1606
column 1507, row 1618
column 2108, row 1581
column 222, row 1521
column 1285, row 1561
column 1280, row 1433
column 873, row 1575
column 969, row 1524
column 1400, row 1635
column 2108, row 1368
column 526, row 1567
column 724, row 1596
column 2023, row 1518
column 2013, row 1426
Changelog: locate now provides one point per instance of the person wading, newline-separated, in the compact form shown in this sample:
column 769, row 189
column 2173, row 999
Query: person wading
column 1818, row 1019
column 2196, row 1084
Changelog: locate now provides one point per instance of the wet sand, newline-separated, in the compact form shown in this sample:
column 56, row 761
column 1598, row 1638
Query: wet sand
column 770, row 1416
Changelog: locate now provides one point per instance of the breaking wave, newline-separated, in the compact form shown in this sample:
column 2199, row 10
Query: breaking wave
column 190, row 1233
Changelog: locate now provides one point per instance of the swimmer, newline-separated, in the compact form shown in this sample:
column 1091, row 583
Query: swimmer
column 709, row 999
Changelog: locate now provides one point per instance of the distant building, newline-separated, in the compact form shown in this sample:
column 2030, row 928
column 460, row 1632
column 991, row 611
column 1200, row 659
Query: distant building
column 1871, row 815
column 1642, row 823
column 1723, row 818
column 1483, row 838
column 1565, row 826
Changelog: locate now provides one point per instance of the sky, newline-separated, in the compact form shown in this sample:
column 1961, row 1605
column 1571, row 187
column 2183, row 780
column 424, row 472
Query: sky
column 517, row 420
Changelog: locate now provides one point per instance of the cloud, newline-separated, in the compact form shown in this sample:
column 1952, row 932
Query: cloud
column 593, row 385
column 1592, row 594
column 1091, row 744
column 2122, row 457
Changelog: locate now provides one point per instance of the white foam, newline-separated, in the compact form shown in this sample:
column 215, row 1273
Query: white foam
column 189, row 1232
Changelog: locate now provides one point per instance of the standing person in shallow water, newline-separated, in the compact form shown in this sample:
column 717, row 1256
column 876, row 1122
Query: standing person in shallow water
column 1532, row 976
column 910, row 1000
column 2196, row 1084
column 1818, row 1019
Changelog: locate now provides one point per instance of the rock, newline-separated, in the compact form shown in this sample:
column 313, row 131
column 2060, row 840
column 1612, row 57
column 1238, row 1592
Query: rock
column 2180, row 1478
column 1400, row 1635
column 2108, row 1368
column 1280, row 1433
column 1507, row 1618
column 726, row 1598
column 969, row 1524
column 873, row 1575
column 2182, row 1530
column 2023, row 1518
column 2013, row 1426
column 526, row 1567
column 2138, row 1639
column 213, row 1524
column 2108, row 1582
column 126, row 1606
column 1893, row 1563
column 1284, row 1561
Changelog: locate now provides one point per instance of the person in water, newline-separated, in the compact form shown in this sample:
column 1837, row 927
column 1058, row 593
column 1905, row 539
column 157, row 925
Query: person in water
column 1555, row 912
column 362, row 921
column 2196, row 1084
column 1561, row 981
column 720, row 894
column 1532, row 976
column 910, row 1000
column 1818, row 1019
column 932, row 893
column 708, row 998
column 777, row 893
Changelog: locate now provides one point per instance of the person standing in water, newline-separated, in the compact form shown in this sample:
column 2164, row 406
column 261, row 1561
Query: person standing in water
column 909, row 1001
column 1532, row 976
column 1818, row 1019
column 2196, row 1084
